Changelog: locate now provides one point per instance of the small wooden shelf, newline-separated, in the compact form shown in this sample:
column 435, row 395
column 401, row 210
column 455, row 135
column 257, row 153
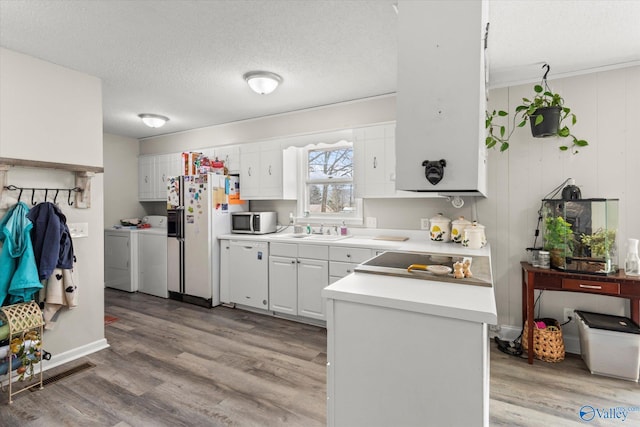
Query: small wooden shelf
column 5, row 161
column 83, row 173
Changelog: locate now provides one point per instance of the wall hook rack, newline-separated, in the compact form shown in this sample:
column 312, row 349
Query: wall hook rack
column 46, row 192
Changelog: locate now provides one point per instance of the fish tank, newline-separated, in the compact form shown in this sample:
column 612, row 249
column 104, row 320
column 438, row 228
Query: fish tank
column 581, row 235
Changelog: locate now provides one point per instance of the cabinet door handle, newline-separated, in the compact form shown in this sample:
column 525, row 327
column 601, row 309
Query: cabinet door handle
column 348, row 271
column 375, row 162
column 294, row 261
column 146, row 179
column 583, row 286
column 269, row 169
column 249, row 171
column 348, row 255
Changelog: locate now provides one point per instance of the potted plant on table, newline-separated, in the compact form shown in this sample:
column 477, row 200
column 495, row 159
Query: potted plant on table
column 601, row 248
column 558, row 240
column 547, row 114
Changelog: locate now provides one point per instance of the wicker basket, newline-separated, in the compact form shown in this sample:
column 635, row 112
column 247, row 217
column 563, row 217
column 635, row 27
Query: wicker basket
column 548, row 344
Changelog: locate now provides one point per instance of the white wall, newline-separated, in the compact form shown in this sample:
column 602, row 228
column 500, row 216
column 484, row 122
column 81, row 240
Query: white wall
column 40, row 88
column 606, row 105
column 49, row 113
column 120, row 179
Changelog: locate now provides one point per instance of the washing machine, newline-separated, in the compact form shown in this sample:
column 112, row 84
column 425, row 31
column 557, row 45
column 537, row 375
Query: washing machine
column 122, row 256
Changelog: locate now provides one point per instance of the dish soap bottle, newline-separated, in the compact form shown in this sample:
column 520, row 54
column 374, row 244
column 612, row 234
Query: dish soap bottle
column 343, row 229
column 632, row 262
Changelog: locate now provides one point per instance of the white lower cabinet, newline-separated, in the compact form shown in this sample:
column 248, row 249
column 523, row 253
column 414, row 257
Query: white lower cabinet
column 225, row 257
column 297, row 275
column 313, row 277
column 283, row 285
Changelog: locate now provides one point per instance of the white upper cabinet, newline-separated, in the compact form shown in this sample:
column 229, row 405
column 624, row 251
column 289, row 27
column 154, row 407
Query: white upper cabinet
column 229, row 154
column 261, row 171
column 375, row 163
column 146, row 173
column 153, row 171
column 441, row 95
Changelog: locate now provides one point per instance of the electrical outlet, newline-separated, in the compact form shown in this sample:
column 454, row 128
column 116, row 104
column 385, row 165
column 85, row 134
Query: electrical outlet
column 370, row 222
column 568, row 313
column 424, row 223
column 78, row 229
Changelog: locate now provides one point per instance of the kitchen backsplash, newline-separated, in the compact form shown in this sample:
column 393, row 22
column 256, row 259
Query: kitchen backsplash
column 403, row 214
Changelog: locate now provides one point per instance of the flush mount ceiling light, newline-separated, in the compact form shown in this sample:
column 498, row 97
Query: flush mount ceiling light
column 262, row 82
column 153, row 120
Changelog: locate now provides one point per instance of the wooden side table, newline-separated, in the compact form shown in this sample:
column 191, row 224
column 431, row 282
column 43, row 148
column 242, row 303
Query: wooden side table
column 617, row 285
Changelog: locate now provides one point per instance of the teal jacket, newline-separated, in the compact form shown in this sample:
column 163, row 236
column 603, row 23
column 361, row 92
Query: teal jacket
column 18, row 271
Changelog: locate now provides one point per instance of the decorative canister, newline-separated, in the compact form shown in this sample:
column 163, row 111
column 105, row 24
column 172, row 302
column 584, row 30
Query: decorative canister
column 440, row 228
column 457, row 229
column 474, row 237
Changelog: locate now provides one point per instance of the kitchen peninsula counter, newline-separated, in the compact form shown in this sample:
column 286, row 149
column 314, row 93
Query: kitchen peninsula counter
column 407, row 351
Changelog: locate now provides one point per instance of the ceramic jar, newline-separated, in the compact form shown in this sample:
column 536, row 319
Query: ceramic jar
column 457, row 229
column 440, row 228
column 474, row 236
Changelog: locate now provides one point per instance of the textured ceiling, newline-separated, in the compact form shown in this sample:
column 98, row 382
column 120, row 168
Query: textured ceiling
column 185, row 59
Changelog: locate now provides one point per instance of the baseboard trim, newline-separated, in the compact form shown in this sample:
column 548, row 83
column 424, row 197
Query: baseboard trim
column 66, row 357
column 510, row 333
column 73, row 354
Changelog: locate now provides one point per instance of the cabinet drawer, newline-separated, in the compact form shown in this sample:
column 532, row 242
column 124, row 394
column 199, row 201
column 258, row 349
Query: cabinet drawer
column 611, row 288
column 353, row 255
column 341, row 269
column 284, row 249
column 313, row 251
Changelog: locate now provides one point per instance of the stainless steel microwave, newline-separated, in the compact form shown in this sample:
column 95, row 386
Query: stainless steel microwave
column 253, row 222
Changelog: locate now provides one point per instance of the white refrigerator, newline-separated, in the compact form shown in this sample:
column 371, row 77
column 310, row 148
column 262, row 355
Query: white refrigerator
column 198, row 210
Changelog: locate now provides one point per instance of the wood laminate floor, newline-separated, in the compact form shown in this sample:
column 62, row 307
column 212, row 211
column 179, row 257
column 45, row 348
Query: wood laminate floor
column 175, row 364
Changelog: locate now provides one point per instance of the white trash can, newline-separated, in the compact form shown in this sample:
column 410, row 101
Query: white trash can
column 610, row 345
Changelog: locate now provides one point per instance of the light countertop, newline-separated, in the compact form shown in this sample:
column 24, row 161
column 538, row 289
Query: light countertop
column 458, row 301
column 418, row 241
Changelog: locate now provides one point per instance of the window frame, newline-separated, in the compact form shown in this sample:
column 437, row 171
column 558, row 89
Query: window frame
column 304, row 213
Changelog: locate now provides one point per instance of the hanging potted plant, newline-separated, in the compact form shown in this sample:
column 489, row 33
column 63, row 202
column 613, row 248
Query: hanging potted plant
column 547, row 114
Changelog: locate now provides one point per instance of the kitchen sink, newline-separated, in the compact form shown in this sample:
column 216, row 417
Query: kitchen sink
column 321, row 237
column 327, row 237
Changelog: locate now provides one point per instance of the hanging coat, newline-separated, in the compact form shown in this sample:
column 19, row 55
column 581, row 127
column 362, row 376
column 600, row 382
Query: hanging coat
column 18, row 271
column 51, row 239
